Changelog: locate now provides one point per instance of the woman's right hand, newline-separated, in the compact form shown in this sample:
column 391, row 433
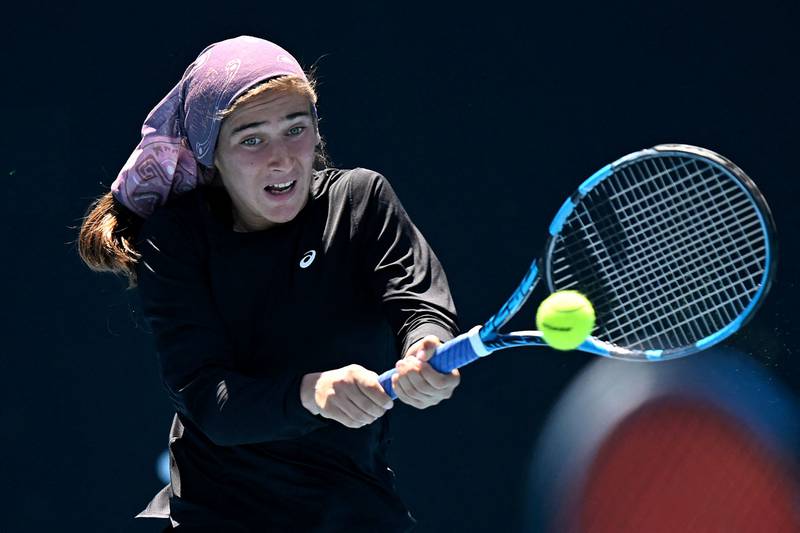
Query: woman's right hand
column 351, row 395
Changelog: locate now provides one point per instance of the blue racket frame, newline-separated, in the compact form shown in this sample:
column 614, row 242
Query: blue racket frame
column 483, row 340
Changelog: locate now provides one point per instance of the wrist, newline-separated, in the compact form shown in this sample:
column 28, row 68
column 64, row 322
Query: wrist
column 307, row 392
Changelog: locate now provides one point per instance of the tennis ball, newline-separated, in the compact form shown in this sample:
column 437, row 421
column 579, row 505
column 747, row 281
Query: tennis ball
column 565, row 319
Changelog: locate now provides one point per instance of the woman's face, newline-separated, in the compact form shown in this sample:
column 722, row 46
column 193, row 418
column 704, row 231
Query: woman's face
column 265, row 157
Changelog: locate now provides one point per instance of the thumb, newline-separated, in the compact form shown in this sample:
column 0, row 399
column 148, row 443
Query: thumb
column 426, row 347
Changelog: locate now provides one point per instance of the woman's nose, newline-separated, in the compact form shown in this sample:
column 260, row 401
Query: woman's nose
column 278, row 156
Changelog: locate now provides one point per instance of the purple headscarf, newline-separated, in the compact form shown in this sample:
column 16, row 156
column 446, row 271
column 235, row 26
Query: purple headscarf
column 182, row 129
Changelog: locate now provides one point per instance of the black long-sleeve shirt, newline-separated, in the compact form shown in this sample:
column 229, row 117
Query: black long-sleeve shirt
column 239, row 318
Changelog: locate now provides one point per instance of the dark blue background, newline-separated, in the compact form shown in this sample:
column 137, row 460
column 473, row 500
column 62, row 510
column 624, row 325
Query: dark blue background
column 484, row 118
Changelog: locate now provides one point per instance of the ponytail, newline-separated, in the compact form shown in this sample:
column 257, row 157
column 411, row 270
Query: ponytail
column 107, row 236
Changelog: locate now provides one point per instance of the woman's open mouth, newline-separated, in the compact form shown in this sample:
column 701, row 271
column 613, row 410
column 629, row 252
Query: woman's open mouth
column 279, row 189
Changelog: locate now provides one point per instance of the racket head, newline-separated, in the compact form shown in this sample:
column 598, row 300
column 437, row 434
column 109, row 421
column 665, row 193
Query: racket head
column 675, row 247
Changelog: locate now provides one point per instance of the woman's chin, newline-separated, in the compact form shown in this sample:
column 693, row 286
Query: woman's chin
column 282, row 212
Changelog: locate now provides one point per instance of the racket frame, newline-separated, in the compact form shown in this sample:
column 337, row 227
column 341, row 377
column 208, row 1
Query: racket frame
column 483, row 340
column 745, row 184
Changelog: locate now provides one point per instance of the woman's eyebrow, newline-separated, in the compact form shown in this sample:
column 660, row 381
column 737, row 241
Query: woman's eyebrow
column 287, row 118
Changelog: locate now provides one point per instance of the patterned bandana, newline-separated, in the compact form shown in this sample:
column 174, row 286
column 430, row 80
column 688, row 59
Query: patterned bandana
column 182, row 129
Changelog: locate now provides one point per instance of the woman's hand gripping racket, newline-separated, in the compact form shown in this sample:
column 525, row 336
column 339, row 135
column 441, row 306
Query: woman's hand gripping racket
column 674, row 246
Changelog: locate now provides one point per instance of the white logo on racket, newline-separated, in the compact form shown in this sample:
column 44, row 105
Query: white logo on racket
column 308, row 258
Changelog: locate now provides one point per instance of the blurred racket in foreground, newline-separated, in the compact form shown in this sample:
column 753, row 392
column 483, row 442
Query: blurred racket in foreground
column 674, row 246
column 704, row 444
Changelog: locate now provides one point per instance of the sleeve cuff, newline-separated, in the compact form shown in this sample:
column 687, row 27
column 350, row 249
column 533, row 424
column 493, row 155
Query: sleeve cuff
column 304, row 420
column 424, row 330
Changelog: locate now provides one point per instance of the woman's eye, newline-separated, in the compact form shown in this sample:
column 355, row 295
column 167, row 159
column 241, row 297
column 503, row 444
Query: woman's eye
column 251, row 141
column 297, row 130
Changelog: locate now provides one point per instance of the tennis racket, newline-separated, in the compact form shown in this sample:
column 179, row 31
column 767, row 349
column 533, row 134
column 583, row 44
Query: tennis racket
column 673, row 245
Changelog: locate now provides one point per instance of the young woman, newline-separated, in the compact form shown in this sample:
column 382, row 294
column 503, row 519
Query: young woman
column 276, row 288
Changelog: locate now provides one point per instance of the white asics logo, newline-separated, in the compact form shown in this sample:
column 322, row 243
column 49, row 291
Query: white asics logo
column 308, row 258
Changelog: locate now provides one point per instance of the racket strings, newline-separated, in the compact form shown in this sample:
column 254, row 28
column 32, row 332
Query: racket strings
column 652, row 265
column 721, row 222
column 654, row 247
column 648, row 261
column 605, row 195
column 670, row 250
column 660, row 296
column 676, row 304
column 689, row 279
column 645, row 223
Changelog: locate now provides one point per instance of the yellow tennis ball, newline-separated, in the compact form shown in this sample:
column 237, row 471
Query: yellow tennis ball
column 565, row 319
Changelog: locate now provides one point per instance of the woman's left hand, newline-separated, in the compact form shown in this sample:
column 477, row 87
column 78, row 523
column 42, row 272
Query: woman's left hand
column 416, row 382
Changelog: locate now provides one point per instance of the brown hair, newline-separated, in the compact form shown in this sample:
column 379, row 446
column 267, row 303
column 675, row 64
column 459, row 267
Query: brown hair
column 109, row 229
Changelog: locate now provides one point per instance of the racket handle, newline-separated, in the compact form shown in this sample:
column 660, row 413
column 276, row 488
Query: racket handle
column 453, row 354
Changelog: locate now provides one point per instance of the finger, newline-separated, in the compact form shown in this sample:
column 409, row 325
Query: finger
column 401, row 388
column 426, row 347
column 373, row 390
column 417, row 386
column 437, row 380
column 341, row 416
column 430, row 346
column 353, row 412
column 418, row 398
column 365, row 403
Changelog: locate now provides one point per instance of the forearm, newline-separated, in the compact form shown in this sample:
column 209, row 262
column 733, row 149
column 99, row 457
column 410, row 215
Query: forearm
column 234, row 409
column 307, row 389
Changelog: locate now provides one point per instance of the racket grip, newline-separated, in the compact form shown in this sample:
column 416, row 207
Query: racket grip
column 453, row 354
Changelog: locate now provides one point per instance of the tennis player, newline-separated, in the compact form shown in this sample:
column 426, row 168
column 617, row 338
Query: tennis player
column 275, row 288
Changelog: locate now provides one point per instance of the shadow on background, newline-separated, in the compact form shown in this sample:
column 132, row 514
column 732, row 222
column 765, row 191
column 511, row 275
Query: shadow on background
column 701, row 444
